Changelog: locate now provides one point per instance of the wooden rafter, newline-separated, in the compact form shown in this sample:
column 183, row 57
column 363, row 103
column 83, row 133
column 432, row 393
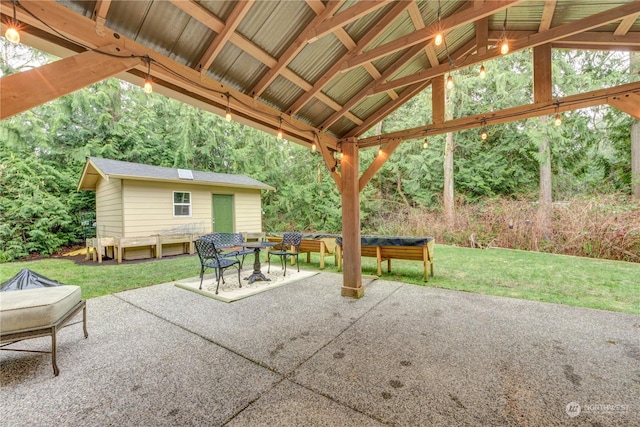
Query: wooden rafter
column 100, row 11
column 202, row 15
column 548, row 36
column 547, row 15
column 239, row 12
column 344, row 18
column 466, row 16
column 594, row 40
column 293, row 49
column 625, row 25
column 361, row 45
column 365, row 91
column 568, row 103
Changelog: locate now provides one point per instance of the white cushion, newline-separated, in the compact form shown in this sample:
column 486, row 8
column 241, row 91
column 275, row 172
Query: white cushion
column 33, row 308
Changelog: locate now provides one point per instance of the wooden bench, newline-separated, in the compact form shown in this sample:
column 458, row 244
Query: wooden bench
column 321, row 244
column 387, row 248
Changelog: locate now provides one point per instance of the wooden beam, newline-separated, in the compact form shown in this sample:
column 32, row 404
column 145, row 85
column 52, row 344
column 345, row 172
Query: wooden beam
column 28, row 89
column 542, row 84
column 239, row 12
column 378, row 162
column 418, row 23
column 364, row 92
column 329, row 161
column 345, row 18
column 100, row 11
column 567, row 103
column 593, row 38
column 547, row 15
column 459, row 19
column 367, row 39
column 388, row 108
column 629, row 103
column 437, row 99
column 557, row 33
column 352, row 268
column 625, row 25
column 293, row 49
column 482, row 35
column 202, row 15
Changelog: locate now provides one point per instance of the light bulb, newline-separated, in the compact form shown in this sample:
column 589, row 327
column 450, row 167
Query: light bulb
column 483, row 72
column 483, row 135
column 425, row 144
column 279, row 134
column 228, row 115
column 379, row 151
column 12, row 35
column 558, row 120
column 148, row 86
column 313, row 147
column 504, row 48
column 439, row 39
column 450, row 82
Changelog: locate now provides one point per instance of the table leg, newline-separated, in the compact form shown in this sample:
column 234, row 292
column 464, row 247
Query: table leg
column 257, row 274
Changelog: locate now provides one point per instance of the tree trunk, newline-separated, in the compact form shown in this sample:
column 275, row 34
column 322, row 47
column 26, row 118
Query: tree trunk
column 545, row 210
column 449, row 208
column 635, row 160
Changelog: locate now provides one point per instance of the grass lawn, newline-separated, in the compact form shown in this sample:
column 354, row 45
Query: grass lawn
column 583, row 282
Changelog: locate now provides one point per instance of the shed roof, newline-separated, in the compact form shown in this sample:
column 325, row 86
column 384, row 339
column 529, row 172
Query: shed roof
column 96, row 167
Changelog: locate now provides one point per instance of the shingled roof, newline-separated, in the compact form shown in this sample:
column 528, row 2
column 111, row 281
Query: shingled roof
column 96, row 167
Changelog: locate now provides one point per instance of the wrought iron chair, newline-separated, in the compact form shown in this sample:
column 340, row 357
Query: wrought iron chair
column 283, row 249
column 229, row 245
column 210, row 258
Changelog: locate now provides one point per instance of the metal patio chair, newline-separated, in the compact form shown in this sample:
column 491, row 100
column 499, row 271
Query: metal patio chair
column 210, row 258
column 229, row 245
column 288, row 247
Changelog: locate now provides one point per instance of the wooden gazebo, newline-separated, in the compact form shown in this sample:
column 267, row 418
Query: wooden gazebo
column 320, row 72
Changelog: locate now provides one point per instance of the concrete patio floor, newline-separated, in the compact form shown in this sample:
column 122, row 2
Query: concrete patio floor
column 302, row 355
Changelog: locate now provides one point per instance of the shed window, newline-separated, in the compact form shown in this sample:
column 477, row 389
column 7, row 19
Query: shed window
column 181, row 203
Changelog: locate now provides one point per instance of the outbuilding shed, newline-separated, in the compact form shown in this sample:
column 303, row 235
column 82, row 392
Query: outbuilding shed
column 145, row 211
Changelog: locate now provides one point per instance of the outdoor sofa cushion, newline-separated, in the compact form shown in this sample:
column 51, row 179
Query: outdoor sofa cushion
column 35, row 308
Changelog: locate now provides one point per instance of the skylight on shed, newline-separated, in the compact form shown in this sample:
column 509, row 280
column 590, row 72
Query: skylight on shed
column 185, row 174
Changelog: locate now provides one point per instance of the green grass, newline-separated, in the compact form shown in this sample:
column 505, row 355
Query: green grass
column 583, row 282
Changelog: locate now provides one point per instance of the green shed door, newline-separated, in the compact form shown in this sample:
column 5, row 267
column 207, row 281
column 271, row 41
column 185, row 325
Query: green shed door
column 222, row 213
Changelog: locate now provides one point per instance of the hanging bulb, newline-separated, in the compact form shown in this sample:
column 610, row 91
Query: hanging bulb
column 12, row 34
column 313, row 147
column 228, row 115
column 148, row 86
column 504, row 47
column 450, row 82
column 379, row 151
column 558, row 120
column 483, row 72
column 483, row 135
column 279, row 134
column 425, row 144
column 439, row 39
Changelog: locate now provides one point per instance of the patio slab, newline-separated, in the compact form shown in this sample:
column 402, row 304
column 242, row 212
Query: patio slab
column 303, row 355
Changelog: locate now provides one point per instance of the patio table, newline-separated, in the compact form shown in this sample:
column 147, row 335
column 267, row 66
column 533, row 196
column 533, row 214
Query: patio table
column 257, row 246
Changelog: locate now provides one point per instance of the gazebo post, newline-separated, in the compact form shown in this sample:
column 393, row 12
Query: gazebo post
column 352, row 270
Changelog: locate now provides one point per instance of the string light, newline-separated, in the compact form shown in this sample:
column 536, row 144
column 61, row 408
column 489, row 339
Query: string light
column 450, row 82
column 504, row 48
column 148, row 85
column 280, row 129
column 439, row 36
column 483, row 134
column 558, row 120
column 227, row 116
column 313, row 147
column 425, row 144
column 12, row 33
column 379, row 151
column 483, row 72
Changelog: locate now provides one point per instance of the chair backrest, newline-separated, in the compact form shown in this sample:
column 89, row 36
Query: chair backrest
column 206, row 250
column 225, row 240
column 292, row 238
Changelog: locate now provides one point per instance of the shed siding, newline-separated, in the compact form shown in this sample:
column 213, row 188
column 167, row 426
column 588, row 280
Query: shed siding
column 248, row 211
column 148, row 208
column 109, row 208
